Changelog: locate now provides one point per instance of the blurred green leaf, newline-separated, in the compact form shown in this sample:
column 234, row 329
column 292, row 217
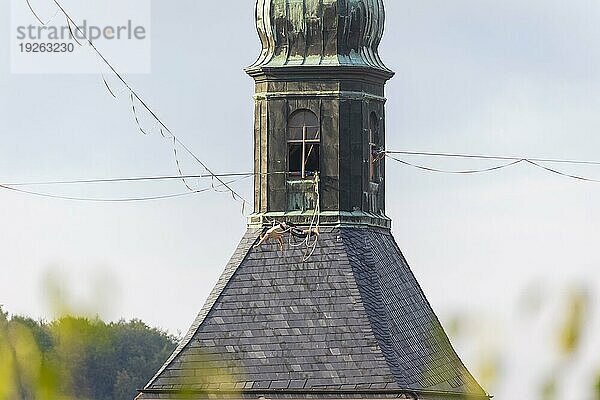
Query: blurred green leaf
column 531, row 300
column 455, row 326
column 489, row 369
column 572, row 328
column 548, row 389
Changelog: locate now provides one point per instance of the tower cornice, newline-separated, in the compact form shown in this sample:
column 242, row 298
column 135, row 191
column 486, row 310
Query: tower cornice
column 319, row 72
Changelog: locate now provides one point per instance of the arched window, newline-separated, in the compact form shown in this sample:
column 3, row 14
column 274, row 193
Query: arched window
column 374, row 148
column 304, row 142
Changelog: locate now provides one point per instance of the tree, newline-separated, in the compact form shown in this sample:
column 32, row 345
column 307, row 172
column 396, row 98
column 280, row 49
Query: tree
column 78, row 358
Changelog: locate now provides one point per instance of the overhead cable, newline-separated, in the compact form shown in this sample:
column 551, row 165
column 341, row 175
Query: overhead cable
column 44, row 23
column 464, row 172
column 138, row 179
column 566, row 175
column 112, row 200
column 135, row 97
column 491, row 157
column 533, row 162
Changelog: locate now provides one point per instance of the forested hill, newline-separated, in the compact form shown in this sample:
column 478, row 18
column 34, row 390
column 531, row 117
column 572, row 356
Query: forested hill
column 78, row 358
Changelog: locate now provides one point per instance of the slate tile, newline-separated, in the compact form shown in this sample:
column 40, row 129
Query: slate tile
column 351, row 317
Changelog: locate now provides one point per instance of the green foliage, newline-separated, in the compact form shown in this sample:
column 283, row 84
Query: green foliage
column 548, row 389
column 78, row 358
column 572, row 328
column 597, row 388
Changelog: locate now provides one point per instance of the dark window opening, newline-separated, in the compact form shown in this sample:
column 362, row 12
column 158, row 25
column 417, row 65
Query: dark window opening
column 312, row 159
column 295, row 158
column 304, row 140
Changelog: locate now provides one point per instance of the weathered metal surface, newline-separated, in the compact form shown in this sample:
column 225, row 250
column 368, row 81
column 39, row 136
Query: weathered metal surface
column 343, row 103
column 320, row 32
column 301, row 195
column 321, row 56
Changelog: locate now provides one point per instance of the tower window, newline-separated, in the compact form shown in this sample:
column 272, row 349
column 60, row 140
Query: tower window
column 304, row 142
column 374, row 148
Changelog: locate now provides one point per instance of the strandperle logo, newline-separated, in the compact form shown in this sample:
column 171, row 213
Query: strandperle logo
column 46, row 38
column 129, row 31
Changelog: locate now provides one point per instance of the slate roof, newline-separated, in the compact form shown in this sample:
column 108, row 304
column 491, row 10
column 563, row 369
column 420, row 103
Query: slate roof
column 351, row 319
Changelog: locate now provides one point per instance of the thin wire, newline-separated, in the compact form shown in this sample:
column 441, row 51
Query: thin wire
column 313, row 229
column 38, row 17
column 524, row 160
column 307, row 242
column 551, row 170
column 114, row 96
column 310, row 249
column 137, row 179
column 117, row 180
column 135, row 116
column 71, row 32
column 234, row 194
column 179, row 165
column 490, row 157
column 93, row 200
column 465, row 172
column 123, row 200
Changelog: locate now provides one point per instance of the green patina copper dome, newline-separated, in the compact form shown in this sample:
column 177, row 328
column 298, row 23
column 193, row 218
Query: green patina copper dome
column 320, row 33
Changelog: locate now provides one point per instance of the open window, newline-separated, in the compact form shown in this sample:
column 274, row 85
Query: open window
column 374, row 148
column 304, row 143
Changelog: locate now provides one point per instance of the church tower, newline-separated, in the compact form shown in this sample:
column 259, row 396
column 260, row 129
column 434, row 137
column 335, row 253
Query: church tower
column 320, row 109
column 318, row 301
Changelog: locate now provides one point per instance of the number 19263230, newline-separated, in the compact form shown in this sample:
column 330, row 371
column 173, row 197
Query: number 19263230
column 47, row 47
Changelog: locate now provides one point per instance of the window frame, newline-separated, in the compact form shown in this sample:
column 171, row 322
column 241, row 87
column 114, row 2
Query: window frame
column 306, row 143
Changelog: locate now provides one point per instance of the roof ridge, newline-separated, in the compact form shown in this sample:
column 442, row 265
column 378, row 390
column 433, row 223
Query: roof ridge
column 384, row 337
column 444, row 335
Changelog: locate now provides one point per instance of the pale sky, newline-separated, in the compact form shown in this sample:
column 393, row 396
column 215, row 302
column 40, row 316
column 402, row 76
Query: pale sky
column 511, row 77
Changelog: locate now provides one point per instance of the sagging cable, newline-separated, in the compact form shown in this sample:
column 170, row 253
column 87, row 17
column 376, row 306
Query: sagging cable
column 137, row 121
column 179, row 165
column 463, row 172
column 35, row 14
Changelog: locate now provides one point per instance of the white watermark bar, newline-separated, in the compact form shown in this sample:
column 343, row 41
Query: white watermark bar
column 43, row 40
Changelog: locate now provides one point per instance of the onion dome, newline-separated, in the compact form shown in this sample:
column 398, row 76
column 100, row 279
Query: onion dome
column 320, row 33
